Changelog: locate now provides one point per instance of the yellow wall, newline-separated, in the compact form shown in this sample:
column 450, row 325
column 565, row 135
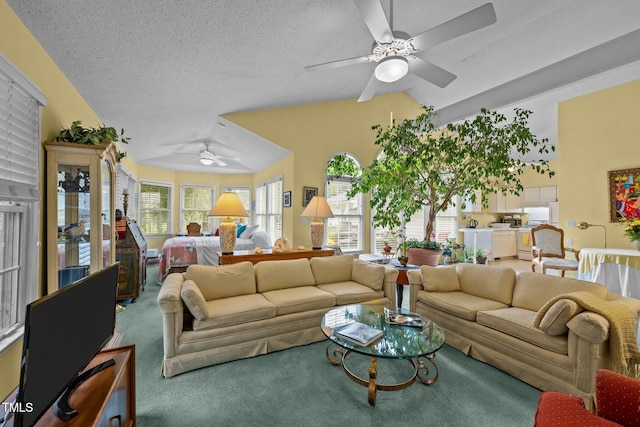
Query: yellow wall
column 597, row 133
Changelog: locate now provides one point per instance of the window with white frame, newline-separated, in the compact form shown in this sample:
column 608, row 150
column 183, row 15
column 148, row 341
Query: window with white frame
column 268, row 207
column 244, row 194
column 345, row 228
column 195, row 204
column 125, row 180
column 446, row 227
column 155, row 208
column 20, row 102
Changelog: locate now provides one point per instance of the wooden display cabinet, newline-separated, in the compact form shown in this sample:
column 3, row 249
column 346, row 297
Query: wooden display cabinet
column 131, row 251
column 80, row 211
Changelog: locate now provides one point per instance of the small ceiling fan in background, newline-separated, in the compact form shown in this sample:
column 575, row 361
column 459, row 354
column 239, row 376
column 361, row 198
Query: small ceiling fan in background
column 394, row 51
column 208, row 157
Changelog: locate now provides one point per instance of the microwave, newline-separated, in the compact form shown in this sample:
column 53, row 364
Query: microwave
column 515, row 222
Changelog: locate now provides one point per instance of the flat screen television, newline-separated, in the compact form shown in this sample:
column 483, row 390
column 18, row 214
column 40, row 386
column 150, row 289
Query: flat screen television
column 63, row 332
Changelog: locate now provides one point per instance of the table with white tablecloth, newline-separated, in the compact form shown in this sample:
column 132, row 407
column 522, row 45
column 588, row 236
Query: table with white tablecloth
column 618, row 269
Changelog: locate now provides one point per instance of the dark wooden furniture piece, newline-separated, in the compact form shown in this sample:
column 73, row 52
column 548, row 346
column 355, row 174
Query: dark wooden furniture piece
column 402, row 279
column 131, row 251
column 267, row 255
column 107, row 398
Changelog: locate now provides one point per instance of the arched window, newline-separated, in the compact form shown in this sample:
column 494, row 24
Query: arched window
column 345, row 228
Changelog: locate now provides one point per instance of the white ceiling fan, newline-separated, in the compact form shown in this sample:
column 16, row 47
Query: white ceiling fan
column 208, row 157
column 394, row 51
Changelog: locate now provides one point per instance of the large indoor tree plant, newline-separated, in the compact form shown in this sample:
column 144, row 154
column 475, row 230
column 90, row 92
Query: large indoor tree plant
column 421, row 165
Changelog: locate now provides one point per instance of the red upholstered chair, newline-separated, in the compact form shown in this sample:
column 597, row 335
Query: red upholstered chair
column 617, row 404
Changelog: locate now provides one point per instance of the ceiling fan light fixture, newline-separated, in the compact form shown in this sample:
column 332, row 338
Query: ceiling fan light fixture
column 392, row 69
column 206, row 157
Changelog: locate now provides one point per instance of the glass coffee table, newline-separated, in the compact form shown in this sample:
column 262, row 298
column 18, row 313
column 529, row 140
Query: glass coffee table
column 416, row 345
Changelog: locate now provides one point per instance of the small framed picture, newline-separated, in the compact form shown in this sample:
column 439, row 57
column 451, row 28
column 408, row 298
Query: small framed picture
column 286, row 199
column 307, row 194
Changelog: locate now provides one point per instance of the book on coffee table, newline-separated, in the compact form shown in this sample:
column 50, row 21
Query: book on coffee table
column 403, row 318
column 358, row 333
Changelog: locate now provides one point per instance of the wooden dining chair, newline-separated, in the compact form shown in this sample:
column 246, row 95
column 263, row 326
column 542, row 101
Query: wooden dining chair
column 549, row 252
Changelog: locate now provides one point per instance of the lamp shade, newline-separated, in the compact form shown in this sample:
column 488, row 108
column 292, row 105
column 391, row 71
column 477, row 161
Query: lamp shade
column 228, row 205
column 392, row 69
column 318, row 208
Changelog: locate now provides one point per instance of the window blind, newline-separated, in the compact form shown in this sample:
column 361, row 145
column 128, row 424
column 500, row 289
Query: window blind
column 19, row 133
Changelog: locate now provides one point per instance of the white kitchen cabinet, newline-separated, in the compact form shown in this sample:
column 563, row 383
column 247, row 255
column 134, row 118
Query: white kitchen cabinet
column 478, row 238
column 504, row 244
column 504, row 203
column 540, row 196
column 549, row 193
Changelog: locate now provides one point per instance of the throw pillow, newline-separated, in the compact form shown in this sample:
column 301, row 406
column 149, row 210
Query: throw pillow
column 555, row 319
column 248, row 231
column 217, row 233
column 194, row 300
column 439, row 279
column 240, row 228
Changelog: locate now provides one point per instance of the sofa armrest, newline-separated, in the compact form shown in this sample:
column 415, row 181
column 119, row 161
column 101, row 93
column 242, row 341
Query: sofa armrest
column 416, row 285
column 172, row 309
column 590, row 326
column 169, row 299
column 389, row 284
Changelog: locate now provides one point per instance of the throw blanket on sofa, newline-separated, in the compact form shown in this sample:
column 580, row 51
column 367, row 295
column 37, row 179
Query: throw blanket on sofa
column 622, row 334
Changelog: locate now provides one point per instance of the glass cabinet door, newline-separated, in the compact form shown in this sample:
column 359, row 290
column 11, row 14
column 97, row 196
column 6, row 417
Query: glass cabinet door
column 107, row 233
column 74, row 222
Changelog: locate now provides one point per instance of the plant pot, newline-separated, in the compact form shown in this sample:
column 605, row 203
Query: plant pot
column 481, row 259
column 424, row 256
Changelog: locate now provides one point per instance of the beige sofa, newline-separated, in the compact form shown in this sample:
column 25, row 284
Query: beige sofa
column 241, row 310
column 488, row 313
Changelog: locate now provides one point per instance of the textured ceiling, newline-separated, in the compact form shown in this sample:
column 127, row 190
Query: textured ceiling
column 165, row 71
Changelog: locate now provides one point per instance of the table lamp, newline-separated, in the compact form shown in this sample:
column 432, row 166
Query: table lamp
column 318, row 208
column 227, row 206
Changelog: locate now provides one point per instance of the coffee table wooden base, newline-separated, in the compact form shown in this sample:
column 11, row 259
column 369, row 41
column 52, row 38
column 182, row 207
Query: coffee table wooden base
column 421, row 371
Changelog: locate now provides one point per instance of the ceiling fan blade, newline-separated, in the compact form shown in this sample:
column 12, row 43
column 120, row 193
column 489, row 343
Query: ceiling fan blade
column 430, row 72
column 369, row 89
column 337, row 64
column 375, row 19
column 473, row 20
column 218, row 162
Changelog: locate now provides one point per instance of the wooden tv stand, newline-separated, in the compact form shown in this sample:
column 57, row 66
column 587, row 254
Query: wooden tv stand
column 105, row 399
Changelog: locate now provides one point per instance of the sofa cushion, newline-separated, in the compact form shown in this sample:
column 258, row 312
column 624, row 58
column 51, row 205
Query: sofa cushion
column 439, row 279
column 290, row 273
column 351, row 292
column 518, row 322
column 555, row 319
column 234, row 311
column 481, row 280
column 331, row 269
column 533, row 290
column 458, row 303
column 300, row 299
column 223, row 281
column 368, row 274
column 194, row 300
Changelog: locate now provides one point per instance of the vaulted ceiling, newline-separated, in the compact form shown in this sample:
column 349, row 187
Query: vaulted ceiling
column 166, row 71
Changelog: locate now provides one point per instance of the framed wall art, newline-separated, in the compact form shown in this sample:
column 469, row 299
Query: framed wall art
column 286, row 199
column 307, row 194
column 624, row 194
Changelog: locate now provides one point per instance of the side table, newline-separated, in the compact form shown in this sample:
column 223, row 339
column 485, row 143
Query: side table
column 402, row 279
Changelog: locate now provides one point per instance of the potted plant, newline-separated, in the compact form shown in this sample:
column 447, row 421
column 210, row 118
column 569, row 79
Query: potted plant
column 78, row 134
column 421, row 165
column 469, row 256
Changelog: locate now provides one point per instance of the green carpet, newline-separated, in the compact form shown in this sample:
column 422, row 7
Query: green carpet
column 298, row 386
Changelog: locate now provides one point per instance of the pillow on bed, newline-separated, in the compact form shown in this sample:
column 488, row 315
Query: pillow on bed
column 240, row 229
column 246, row 234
